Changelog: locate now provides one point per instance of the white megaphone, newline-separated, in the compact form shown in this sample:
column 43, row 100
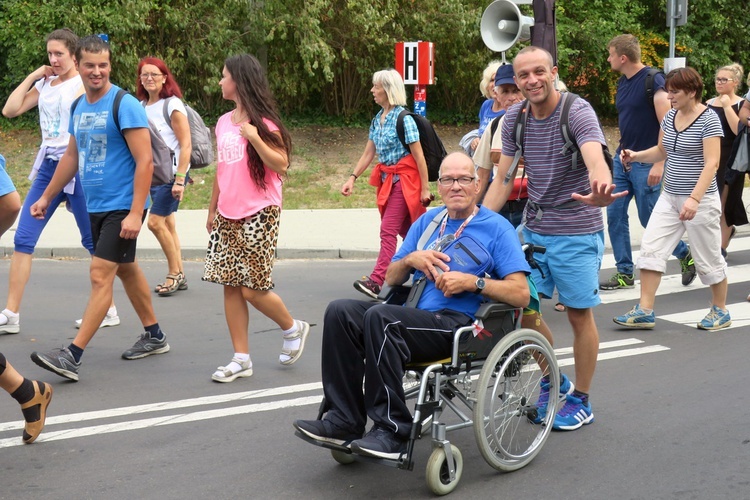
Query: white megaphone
column 503, row 25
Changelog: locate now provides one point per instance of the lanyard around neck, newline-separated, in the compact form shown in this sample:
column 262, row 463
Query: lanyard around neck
column 460, row 229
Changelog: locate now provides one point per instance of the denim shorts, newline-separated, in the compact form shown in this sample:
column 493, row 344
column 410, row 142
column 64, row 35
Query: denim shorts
column 571, row 264
column 163, row 203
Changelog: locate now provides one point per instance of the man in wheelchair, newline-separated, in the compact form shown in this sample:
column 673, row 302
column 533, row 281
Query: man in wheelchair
column 374, row 341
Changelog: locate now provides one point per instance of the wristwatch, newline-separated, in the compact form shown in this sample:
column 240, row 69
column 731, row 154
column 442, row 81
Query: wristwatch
column 480, row 285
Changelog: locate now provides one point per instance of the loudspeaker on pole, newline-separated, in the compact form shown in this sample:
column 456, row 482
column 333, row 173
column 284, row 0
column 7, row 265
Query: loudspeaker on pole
column 503, row 25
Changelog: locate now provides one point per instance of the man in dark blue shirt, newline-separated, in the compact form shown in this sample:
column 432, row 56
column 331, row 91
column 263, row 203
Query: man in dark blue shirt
column 639, row 121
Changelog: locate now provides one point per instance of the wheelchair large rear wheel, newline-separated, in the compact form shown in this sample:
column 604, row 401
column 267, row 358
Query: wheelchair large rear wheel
column 507, row 393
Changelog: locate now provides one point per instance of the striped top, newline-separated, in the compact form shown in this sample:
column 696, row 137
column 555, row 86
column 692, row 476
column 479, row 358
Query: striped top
column 552, row 179
column 684, row 150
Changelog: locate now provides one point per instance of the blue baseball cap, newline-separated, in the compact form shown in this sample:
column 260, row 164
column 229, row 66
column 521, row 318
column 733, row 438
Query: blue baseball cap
column 504, row 75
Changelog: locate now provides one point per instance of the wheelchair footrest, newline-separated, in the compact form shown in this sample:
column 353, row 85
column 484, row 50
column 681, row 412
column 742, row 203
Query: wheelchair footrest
column 403, row 462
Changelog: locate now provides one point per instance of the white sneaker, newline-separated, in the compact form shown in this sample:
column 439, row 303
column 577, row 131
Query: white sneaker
column 9, row 322
column 109, row 320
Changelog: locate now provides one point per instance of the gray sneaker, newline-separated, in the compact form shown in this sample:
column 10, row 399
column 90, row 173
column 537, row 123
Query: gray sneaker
column 619, row 280
column 60, row 361
column 146, row 346
column 687, row 266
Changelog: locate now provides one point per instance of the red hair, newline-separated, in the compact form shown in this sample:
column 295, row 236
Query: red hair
column 170, row 87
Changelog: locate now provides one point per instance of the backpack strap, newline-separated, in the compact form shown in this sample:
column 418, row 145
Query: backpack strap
column 570, row 145
column 649, row 84
column 519, row 129
column 400, row 132
column 75, row 103
column 116, row 108
column 165, row 111
column 431, row 228
column 493, row 127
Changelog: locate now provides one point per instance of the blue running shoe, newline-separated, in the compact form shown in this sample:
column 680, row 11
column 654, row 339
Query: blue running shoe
column 566, row 387
column 715, row 319
column 573, row 415
column 636, row 318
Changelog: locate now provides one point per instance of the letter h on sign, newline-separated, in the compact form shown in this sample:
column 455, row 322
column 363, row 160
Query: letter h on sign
column 415, row 62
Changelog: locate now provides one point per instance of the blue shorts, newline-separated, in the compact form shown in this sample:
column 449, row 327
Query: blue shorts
column 6, row 185
column 163, row 203
column 571, row 264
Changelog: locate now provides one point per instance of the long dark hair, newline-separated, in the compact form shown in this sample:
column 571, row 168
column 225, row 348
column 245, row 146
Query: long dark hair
column 254, row 95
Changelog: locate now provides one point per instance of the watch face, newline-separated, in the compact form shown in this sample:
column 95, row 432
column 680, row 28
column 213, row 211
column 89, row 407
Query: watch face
column 480, row 285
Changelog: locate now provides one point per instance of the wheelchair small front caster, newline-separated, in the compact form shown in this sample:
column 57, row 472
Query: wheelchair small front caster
column 437, row 473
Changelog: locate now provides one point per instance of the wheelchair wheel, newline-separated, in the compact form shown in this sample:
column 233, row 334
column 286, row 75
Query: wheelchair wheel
column 342, row 458
column 507, row 392
column 437, row 474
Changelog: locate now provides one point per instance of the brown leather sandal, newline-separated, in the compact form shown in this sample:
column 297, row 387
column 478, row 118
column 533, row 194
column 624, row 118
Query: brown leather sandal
column 170, row 288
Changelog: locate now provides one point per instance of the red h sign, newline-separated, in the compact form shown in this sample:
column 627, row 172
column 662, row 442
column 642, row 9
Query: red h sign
column 415, row 62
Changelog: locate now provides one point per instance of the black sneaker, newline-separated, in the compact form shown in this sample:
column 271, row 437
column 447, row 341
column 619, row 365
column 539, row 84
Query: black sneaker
column 60, row 361
column 381, row 443
column 619, row 280
column 367, row 286
column 688, row 269
column 326, row 431
column 146, row 346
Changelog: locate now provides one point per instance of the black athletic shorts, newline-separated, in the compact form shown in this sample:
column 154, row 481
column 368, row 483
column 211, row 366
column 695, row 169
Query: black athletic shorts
column 105, row 230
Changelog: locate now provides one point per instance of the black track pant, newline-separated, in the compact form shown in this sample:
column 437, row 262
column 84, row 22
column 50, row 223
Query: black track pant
column 3, row 363
column 375, row 341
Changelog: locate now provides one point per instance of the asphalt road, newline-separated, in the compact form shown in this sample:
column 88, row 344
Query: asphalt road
column 669, row 403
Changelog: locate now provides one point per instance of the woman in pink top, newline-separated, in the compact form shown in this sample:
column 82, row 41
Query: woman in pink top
column 243, row 216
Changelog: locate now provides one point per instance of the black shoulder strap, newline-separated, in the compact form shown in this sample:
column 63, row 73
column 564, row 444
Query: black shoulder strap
column 400, row 128
column 493, row 127
column 116, row 108
column 570, row 145
column 519, row 130
column 649, row 84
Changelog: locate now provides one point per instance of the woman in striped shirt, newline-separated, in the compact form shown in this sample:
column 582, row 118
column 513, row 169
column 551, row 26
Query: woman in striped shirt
column 690, row 141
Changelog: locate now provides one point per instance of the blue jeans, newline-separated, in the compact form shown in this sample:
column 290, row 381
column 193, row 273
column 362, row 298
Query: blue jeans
column 618, row 225
column 30, row 229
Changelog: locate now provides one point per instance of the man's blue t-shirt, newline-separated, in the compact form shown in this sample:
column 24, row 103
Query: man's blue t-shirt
column 487, row 227
column 105, row 164
column 487, row 114
column 639, row 127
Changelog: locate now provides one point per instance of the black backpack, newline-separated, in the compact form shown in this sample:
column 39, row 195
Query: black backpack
column 432, row 146
column 570, row 146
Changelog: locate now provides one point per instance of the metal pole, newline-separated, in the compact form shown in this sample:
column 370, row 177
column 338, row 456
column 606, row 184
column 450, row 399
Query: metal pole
column 672, row 27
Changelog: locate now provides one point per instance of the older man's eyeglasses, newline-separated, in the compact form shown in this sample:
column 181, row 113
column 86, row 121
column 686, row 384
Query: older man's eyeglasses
column 462, row 181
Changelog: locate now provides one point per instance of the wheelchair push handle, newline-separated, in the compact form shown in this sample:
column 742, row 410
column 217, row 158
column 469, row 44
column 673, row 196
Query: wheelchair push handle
column 529, row 250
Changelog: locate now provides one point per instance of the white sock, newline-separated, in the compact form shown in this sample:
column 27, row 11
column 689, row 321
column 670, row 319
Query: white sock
column 112, row 311
column 13, row 316
column 235, row 367
column 292, row 344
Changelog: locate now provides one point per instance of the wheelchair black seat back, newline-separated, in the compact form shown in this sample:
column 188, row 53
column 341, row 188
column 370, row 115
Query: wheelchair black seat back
column 495, row 320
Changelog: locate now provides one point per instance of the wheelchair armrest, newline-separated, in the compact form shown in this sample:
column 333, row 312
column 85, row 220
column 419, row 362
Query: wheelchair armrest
column 395, row 295
column 490, row 309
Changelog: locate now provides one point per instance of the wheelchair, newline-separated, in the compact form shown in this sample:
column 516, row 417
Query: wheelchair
column 491, row 383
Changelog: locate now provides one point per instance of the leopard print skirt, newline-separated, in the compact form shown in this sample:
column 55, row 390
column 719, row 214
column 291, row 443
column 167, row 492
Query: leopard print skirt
column 241, row 253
